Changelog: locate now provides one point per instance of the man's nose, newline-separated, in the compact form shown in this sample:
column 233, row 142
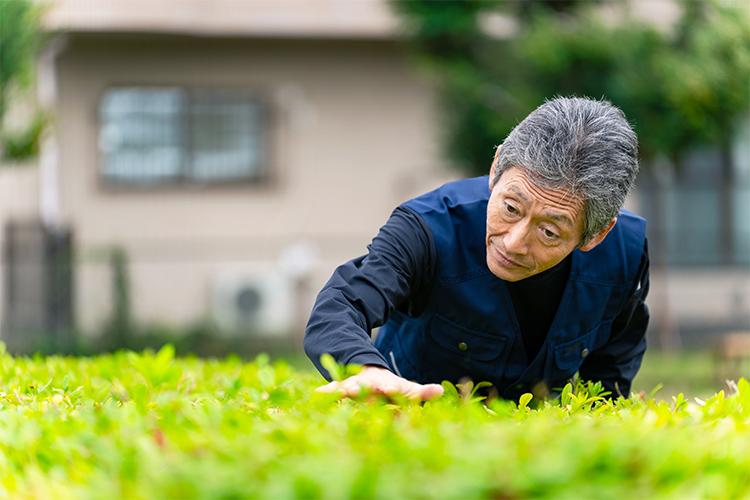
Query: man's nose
column 516, row 239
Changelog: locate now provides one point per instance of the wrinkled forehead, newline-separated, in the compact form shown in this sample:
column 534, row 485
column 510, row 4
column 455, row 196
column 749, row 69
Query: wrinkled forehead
column 560, row 203
column 563, row 185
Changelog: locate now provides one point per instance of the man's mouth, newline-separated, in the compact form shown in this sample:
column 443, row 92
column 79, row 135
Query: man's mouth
column 505, row 261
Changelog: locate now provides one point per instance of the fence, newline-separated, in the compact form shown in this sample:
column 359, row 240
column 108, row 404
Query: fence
column 37, row 308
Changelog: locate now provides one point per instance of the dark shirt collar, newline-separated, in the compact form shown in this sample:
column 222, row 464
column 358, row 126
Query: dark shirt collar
column 562, row 268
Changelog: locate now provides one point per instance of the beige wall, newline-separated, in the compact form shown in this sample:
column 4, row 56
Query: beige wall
column 19, row 193
column 357, row 19
column 352, row 134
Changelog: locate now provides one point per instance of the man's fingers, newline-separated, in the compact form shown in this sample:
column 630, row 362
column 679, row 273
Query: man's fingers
column 345, row 388
column 330, row 388
column 351, row 387
column 431, row 391
column 388, row 389
column 423, row 392
column 382, row 382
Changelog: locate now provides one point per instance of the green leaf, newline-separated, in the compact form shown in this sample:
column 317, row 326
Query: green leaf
column 65, row 384
column 679, row 402
column 165, row 356
column 450, row 392
column 565, row 398
column 655, row 390
column 480, row 385
column 44, row 388
column 335, row 370
column 523, row 402
column 743, row 387
column 262, row 359
column 352, row 369
column 266, row 377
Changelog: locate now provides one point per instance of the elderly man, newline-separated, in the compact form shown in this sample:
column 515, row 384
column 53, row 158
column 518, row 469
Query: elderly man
column 522, row 278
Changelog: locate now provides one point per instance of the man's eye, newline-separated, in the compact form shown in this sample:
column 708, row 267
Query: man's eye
column 549, row 234
column 510, row 209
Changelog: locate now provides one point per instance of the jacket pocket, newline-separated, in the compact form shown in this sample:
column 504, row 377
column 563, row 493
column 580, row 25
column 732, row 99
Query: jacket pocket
column 570, row 356
column 454, row 351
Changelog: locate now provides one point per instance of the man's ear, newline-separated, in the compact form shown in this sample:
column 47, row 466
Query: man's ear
column 598, row 237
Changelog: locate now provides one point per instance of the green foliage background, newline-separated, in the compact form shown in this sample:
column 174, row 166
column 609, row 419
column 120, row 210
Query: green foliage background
column 20, row 42
column 679, row 87
column 154, row 426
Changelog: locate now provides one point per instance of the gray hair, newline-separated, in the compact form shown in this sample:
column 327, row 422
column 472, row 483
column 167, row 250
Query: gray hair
column 582, row 145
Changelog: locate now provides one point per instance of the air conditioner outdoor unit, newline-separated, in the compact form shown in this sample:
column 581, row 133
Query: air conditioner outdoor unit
column 253, row 300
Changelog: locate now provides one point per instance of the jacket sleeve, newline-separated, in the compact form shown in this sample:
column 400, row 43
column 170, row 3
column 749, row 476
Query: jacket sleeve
column 618, row 361
column 362, row 293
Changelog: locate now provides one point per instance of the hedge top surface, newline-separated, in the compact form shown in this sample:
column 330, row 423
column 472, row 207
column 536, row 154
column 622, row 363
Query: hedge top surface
column 149, row 425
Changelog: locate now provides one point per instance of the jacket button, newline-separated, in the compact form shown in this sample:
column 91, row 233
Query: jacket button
column 584, row 353
column 463, row 346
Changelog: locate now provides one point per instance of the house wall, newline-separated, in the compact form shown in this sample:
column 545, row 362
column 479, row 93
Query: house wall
column 19, row 193
column 352, row 133
column 371, row 19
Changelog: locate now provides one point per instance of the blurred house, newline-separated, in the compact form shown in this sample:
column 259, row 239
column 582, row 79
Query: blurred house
column 238, row 150
column 235, row 150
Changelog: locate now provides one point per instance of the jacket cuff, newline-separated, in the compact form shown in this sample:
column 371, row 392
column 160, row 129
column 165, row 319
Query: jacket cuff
column 368, row 359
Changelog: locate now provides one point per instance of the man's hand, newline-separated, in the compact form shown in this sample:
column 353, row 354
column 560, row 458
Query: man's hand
column 382, row 381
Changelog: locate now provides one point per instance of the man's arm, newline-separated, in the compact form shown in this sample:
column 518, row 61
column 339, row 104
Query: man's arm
column 618, row 361
column 361, row 295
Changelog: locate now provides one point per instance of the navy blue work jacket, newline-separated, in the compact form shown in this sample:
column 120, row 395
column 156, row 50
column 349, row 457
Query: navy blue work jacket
column 450, row 318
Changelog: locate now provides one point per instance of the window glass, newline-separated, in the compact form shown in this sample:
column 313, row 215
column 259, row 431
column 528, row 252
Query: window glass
column 225, row 136
column 688, row 216
column 742, row 224
column 157, row 135
column 141, row 134
column 692, row 217
column 741, row 154
column 700, row 169
column 741, row 194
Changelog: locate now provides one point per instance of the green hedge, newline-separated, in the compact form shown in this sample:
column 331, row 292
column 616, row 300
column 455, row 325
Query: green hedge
column 154, row 426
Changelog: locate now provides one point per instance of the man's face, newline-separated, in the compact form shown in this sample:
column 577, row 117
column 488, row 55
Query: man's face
column 529, row 228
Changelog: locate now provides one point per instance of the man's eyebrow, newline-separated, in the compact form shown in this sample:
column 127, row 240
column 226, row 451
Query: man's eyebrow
column 519, row 193
column 563, row 219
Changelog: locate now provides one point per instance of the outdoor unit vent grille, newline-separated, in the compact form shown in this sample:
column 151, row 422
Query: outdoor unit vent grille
column 253, row 300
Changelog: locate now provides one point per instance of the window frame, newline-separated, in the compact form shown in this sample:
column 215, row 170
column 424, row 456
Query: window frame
column 183, row 181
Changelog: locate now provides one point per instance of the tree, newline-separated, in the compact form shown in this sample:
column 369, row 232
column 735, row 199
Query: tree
column 681, row 87
column 20, row 42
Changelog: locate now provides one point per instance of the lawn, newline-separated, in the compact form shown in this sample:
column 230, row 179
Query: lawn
column 151, row 425
column 692, row 372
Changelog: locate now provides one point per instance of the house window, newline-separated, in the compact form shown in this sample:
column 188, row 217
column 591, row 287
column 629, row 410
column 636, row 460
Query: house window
column 698, row 216
column 167, row 135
